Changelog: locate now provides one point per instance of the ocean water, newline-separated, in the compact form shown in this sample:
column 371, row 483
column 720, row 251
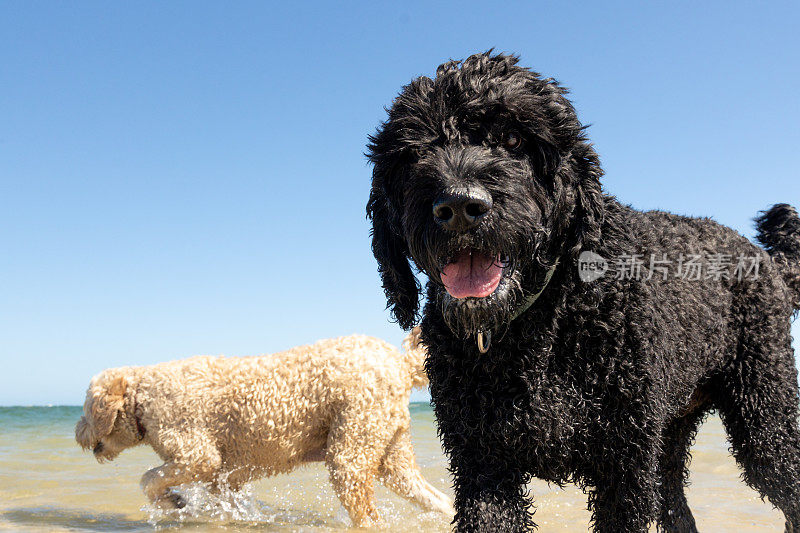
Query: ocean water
column 48, row 484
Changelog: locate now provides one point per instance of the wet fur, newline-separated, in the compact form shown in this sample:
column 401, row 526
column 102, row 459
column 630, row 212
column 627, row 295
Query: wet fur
column 603, row 384
column 231, row 420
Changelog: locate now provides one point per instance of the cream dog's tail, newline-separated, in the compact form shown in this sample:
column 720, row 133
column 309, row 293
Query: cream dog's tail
column 414, row 353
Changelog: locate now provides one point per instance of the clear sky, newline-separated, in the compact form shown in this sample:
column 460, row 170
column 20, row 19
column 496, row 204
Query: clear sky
column 180, row 178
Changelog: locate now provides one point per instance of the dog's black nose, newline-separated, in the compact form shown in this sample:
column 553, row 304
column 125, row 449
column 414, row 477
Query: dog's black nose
column 461, row 209
column 98, row 448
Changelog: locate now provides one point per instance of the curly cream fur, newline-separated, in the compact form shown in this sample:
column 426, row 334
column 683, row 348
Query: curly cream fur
column 344, row 401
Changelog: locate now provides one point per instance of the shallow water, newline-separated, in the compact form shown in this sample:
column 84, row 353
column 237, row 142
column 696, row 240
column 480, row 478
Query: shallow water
column 48, row 484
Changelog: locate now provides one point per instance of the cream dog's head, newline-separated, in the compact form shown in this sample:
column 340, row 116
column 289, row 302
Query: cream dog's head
column 108, row 424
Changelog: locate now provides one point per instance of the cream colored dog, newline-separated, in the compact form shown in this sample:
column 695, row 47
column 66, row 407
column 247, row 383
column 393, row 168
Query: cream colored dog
column 344, row 401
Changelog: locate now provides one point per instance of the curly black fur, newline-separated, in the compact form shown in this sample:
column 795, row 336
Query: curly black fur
column 779, row 232
column 603, row 384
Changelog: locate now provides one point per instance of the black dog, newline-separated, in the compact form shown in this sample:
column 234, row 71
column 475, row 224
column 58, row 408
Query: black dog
column 483, row 177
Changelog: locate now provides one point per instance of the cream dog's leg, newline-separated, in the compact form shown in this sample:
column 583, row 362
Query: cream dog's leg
column 353, row 454
column 194, row 459
column 400, row 473
column 156, row 483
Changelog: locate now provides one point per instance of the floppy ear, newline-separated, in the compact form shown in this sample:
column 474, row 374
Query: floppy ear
column 83, row 433
column 104, row 402
column 399, row 284
column 589, row 208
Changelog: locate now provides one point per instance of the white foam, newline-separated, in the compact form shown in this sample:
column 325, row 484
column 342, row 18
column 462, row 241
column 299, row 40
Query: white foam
column 225, row 505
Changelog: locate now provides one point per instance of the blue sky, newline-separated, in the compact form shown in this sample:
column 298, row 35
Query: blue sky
column 188, row 177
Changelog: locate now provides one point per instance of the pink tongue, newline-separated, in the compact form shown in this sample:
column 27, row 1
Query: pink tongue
column 472, row 274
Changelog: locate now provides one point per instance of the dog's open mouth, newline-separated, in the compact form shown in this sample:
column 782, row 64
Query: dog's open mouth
column 473, row 274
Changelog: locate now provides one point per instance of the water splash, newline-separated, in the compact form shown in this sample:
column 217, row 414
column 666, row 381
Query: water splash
column 221, row 505
column 310, row 506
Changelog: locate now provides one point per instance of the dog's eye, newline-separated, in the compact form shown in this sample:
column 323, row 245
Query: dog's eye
column 512, row 140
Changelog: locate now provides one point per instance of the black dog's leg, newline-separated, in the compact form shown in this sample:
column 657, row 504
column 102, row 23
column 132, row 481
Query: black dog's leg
column 675, row 515
column 491, row 500
column 622, row 504
column 625, row 495
column 758, row 405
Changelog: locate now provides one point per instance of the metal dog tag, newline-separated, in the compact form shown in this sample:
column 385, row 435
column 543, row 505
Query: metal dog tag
column 484, row 341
